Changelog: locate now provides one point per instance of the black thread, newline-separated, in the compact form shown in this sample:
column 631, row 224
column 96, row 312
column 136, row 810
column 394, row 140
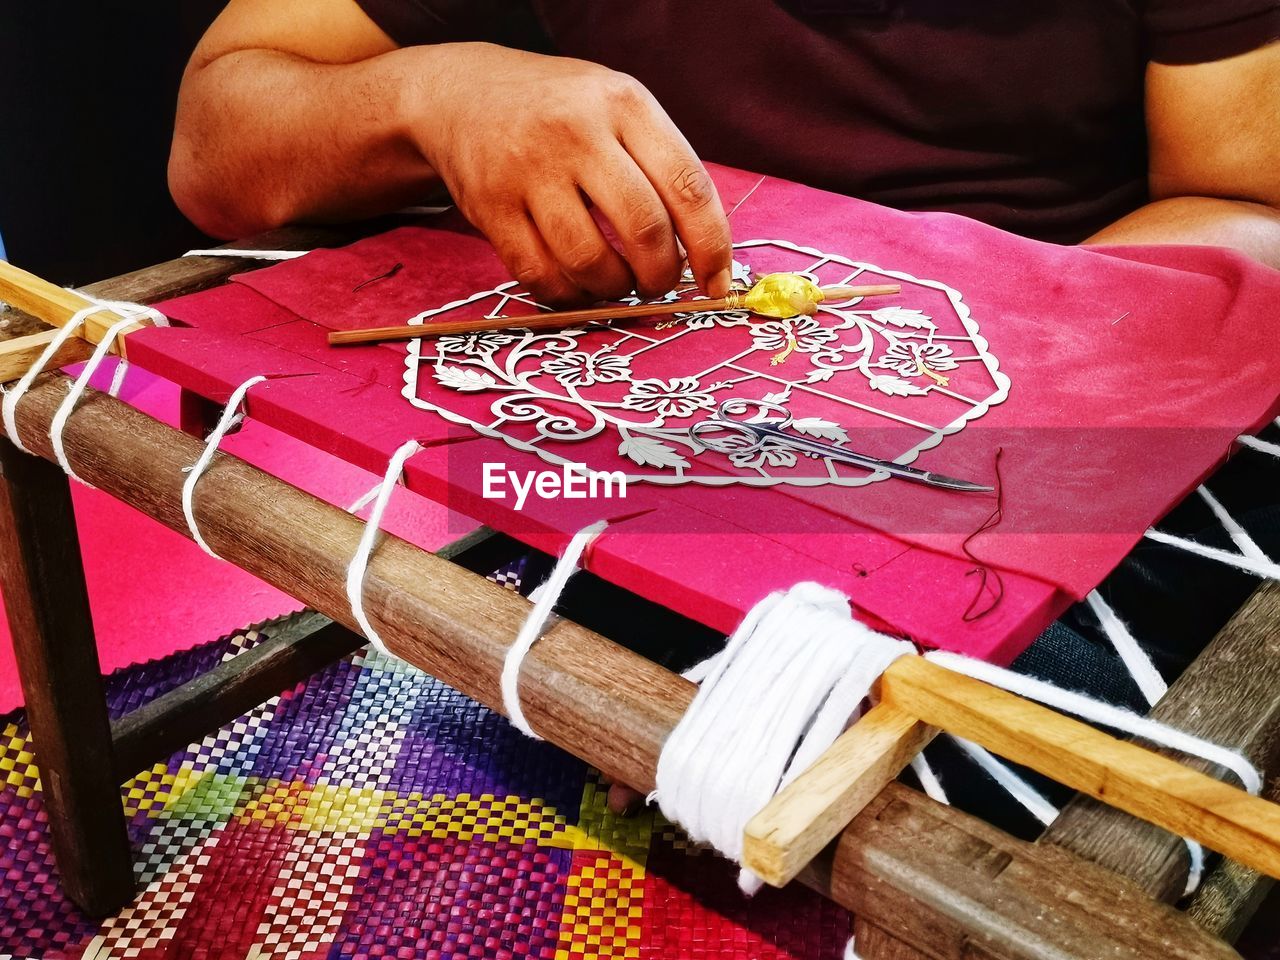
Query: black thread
column 989, row 579
column 382, row 276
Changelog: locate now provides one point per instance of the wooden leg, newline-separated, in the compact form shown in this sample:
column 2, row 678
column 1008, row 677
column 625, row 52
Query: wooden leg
column 48, row 610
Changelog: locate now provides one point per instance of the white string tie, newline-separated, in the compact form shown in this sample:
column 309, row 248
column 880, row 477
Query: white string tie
column 1260, row 445
column 232, row 416
column 545, row 597
column 360, row 562
column 1267, row 569
column 59, row 422
column 249, row 254
column 779, row 694
column 1031, row 799
column 9, row 407
column 1135, row 659
column 1105, row 714
column 929, row 781
column 1238, row 534
column 128, row 312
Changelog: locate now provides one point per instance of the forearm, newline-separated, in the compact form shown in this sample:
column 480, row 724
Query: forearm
column 1251, row 228
column 264, row 138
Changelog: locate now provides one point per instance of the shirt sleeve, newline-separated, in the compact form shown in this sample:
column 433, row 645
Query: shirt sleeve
column 1199, row 31
column 511, row 23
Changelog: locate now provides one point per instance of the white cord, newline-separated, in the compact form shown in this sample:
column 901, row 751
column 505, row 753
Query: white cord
column 360, row 561
column 249, row 254
column 1261, row 445
column 1028, row 796
column 1139, row 665
column 59, row 422
column 782, row 690
column 547, row 595
column 9, row 406
column 231, row 416
column 1106, row 714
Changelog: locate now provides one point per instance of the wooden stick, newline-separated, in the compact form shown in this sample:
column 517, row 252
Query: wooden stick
column 801, row 820
column 1124, row 775
column 56, row 305
column 17, row 355
column 932, row 874
column 572, row 318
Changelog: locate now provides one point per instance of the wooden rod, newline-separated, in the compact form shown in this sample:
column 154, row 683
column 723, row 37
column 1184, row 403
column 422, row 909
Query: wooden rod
column 572, row 318
column 1124, row 775
column 18, row 355
column 810, row 812
column 56, row 305
column 906, row 863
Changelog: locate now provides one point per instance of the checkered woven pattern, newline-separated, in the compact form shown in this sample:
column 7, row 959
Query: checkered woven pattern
column 372, row 812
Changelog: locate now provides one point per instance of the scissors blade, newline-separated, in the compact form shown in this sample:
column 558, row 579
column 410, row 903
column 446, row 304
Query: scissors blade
column 954, row 483
column 920, row 476
column 842, row 454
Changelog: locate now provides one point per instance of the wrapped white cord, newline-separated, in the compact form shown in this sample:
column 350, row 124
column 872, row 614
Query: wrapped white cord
column 232, row 416
column 360, row 561
column 547, row 595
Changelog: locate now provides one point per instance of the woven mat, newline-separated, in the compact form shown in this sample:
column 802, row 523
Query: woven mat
column 374, row 812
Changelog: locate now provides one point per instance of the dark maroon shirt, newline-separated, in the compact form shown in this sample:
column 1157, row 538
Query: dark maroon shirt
column 1027, row 114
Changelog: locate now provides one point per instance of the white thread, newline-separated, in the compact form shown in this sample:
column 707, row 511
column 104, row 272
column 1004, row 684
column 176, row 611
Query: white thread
column 547, row 595
column 1106, row 714
column 127, row 311
column 9, row 407
column 929, row 781
column 231, row 416
column 1195, row 867
column 1268, row 569
column 1261, row 445
column 1028, row 796
column 365, row 498
column 65, row 409
column 117, row 377
column 1139, row 665
column 249, row 254
column 360, row 561
column 782, row 690
column 850, row 953
column 1238, row 534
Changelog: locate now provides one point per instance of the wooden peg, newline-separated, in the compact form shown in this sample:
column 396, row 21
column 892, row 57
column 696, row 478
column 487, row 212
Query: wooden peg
column 56, row 305
column 1126, row 776
column 803, row 818
column 919, row 698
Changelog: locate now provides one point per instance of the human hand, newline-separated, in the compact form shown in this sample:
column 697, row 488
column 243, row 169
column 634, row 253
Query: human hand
column 527, row 143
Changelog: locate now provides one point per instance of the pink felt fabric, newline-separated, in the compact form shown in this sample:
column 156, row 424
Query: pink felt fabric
column 175, row 596
column 1130, row 373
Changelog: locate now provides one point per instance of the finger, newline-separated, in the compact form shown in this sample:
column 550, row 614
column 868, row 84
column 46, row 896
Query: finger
column 575, row 240
column 690, row 197
column 624, row 801
column 521, row 247
column 622, row 192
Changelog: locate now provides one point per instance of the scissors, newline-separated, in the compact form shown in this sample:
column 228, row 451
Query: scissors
column 724, row 432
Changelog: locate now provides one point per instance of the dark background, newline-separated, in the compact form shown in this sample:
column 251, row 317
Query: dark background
column 87, row 95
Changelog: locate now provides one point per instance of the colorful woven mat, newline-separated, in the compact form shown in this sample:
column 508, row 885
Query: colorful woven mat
column 370, row 812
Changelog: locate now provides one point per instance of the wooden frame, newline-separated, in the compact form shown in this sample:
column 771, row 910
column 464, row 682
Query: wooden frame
column 906, row 865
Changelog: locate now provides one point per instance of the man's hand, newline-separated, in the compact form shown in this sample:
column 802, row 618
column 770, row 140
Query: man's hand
column 297, row 110
column 526, row 143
